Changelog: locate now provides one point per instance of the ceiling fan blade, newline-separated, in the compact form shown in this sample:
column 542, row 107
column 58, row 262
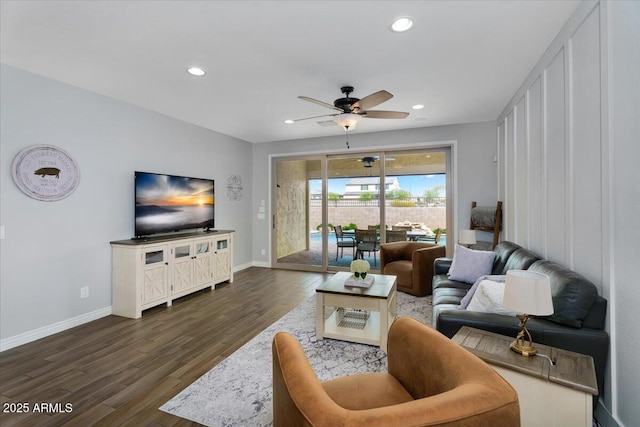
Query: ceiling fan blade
column 323, row 104
column 315, row 117
column 372, row 100
column 380, row 114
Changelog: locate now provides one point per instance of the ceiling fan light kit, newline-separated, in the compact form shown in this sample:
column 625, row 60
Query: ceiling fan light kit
column 347, row 120
column 351, row 110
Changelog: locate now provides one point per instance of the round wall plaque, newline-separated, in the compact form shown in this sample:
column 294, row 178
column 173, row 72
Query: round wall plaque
column 45, row 172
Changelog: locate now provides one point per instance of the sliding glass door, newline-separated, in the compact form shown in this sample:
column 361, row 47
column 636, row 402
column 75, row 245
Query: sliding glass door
column 297, row 215
column 353, row 203
column 324, row 205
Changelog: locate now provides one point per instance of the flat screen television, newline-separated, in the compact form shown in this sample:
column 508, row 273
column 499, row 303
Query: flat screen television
column 168, row 203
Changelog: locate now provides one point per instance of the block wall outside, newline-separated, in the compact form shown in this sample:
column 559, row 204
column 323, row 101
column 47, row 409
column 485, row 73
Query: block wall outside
column 432, row 217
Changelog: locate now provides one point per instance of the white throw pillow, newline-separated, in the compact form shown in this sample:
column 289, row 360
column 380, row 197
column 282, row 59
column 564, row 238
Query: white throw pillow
column 488, row 299
column 468, row 264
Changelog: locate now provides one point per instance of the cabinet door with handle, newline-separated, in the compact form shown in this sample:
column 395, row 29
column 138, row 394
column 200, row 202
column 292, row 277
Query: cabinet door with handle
column 202, row 262
column 181, row 266
column 155, row 265
column 222, row 267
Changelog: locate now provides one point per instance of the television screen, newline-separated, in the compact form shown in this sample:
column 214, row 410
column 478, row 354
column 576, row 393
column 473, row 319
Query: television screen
column 166, row 203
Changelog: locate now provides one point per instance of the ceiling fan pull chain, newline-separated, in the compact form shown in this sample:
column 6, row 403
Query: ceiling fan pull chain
column 347, row 132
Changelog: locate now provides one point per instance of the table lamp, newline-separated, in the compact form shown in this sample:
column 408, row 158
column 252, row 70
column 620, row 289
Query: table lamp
column 528, row 293
column 467, row 237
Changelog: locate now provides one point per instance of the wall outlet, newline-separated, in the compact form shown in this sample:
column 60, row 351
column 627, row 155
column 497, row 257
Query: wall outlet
column 84, row 292
column 264, row 252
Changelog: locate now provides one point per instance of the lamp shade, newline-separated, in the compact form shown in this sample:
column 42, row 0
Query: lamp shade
column 467, row 237
column 347, row 120
column 528, row 292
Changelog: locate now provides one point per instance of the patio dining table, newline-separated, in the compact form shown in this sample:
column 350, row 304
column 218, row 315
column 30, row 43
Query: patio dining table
column 412, row 235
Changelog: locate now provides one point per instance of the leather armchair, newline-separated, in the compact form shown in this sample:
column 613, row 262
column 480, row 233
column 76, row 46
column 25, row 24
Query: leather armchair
column 430, row 381
column 412, row 263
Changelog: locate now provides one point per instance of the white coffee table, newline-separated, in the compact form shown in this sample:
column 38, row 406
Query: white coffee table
column 360, row 315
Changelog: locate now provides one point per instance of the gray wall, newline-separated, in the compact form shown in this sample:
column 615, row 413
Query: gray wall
column 52, row 249
column 476, row 173
column 569, row 147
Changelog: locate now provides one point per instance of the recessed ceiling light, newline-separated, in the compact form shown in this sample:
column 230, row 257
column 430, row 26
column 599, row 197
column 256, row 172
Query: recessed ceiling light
column 418, row 107
column 195, row 71
column 289, row 121
column 400, row 25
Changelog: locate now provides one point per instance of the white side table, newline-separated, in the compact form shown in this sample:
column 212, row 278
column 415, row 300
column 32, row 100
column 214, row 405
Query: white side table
column 549, row 395
column 378, row 301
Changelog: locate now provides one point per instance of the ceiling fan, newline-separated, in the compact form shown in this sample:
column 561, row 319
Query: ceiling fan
column 351, row 110
column 368, row 161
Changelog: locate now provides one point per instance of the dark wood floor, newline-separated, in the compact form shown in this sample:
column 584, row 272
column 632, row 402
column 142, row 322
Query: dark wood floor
column 117, row 371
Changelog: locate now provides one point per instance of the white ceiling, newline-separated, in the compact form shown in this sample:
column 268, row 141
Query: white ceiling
column 463, row 59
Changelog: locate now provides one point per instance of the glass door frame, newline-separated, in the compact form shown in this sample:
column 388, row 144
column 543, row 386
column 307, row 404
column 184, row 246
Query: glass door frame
column 383, row 153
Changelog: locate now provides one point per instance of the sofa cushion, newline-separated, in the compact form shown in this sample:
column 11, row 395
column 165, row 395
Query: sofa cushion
column 520, row 259
column 503, row 251
column 572, row 294
column 442, row 281
column 469, row 264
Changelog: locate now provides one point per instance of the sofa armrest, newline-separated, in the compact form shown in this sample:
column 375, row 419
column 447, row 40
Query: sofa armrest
column 441, row 265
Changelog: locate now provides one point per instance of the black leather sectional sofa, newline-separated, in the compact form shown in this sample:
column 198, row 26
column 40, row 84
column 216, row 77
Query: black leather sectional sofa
column 579, row 315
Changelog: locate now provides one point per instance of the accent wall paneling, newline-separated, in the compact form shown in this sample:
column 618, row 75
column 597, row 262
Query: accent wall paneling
column 586, row 173
column 554, row 132
column 581, row 121
column 535, row 176
column 520, row 172
column 550, row 145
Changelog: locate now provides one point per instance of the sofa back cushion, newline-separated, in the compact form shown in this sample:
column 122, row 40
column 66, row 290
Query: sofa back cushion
column 573, row 295
column 503, row 251
column 520, row 259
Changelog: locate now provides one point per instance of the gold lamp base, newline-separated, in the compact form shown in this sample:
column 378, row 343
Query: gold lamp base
column 520, row 345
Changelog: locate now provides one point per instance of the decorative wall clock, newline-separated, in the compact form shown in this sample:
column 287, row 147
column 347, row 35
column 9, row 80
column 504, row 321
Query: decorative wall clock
column 45, row 173
column 234, row 187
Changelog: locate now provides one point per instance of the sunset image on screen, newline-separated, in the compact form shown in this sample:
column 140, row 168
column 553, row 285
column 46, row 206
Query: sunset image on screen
column 167, row 203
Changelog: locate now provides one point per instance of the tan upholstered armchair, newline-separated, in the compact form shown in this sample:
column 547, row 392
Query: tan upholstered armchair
column 430, row 381
column 412, row 263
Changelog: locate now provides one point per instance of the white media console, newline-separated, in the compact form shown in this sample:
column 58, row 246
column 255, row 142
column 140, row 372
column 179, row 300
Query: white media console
column 157, row 270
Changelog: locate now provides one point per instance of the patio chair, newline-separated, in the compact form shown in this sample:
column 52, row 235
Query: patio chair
column 367, row 241
column 433, row 239
column 344, row 242
column 396, row 236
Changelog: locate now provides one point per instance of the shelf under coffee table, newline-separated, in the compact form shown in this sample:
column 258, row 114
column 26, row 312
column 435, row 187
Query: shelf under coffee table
column 360, row 315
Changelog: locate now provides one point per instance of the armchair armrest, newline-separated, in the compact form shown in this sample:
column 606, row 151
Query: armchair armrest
column 423, row 261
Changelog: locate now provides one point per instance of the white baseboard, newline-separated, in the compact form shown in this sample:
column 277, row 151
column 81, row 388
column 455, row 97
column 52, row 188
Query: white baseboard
column 264, row 264
column 241, row 267
column 45, row 331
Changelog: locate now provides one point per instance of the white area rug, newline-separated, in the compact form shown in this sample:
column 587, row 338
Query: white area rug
column 238, row 392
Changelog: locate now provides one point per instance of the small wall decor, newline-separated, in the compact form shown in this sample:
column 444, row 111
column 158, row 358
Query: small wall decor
column 45, row 173
column 234, row 187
